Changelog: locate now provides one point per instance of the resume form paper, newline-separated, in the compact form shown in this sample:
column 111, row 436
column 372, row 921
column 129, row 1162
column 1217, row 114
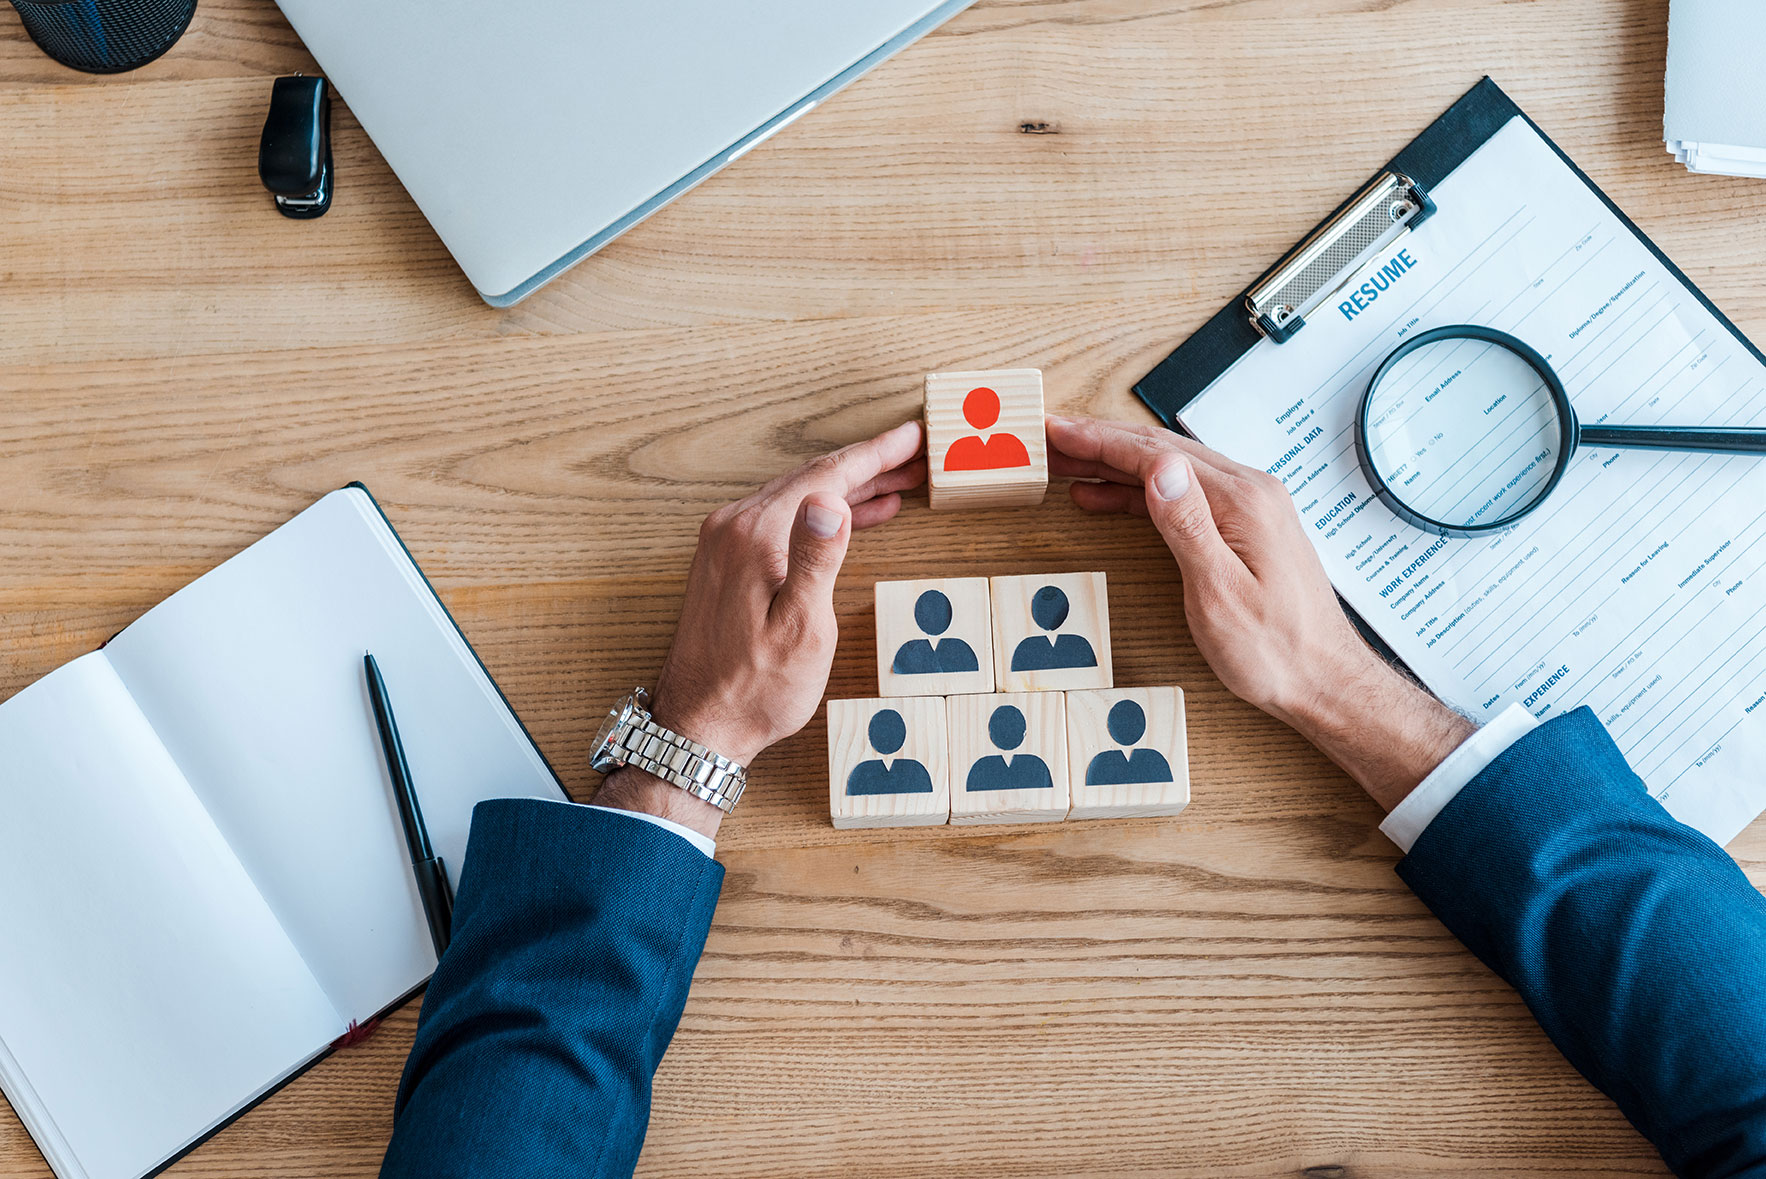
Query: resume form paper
column 1639, row 587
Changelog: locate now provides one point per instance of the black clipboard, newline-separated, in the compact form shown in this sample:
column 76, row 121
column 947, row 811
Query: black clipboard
column 1428, row 159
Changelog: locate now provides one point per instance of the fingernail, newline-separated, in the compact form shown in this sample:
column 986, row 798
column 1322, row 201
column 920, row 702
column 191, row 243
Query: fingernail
column 821, row 522
column 1173, row 479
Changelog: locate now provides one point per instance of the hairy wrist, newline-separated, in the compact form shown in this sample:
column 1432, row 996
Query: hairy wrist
column 1383, row 730
column 729, row 737
column 631, row 789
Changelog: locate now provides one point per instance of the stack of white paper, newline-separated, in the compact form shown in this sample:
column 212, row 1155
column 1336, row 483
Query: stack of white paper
column 1716, row 109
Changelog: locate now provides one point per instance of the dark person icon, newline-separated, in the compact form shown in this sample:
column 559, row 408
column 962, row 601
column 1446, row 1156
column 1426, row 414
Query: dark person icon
column 888, row 733
column 1128, row 724
column 919, row 656
column 1048, row 606
column 1025, row 771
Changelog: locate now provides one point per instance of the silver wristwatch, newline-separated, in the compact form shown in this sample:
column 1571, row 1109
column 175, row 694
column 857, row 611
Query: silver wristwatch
column 628, row 737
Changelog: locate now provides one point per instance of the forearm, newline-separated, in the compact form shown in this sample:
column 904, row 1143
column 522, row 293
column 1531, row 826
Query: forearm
column 1382, row 729
column 576, row 934
column 1637, row 942
column 577, row 929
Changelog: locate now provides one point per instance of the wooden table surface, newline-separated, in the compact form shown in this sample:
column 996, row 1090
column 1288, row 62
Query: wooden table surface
column 1246, row 990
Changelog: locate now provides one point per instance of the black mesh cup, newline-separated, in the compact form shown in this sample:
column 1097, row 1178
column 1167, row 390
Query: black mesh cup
column 105, row 36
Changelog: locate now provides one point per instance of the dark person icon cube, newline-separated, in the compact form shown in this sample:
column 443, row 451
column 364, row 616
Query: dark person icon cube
column 1008, row 758
column 1051, row 651
column 1116, row 767
column 888, row 732
column 1051, row 632
column 1127, row 753
column 1002, row 771
column 888, row 762
column 934, row 638
column 933, row 655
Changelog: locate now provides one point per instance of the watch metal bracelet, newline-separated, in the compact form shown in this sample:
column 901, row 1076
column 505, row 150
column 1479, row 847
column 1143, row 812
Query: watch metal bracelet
column 689, row 765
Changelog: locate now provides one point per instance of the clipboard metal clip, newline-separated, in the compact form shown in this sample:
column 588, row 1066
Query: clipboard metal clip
column 1316, row 268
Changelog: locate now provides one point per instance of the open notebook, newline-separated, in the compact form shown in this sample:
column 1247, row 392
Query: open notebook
column 205, row 877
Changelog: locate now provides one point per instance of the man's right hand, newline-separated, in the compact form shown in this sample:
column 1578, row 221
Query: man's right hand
column 1258, row 602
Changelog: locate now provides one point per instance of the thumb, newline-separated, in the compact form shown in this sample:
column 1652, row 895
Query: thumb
column 819, row 537
column 1180, row 511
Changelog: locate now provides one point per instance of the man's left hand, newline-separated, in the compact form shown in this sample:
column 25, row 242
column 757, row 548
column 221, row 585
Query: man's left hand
column 755, row 642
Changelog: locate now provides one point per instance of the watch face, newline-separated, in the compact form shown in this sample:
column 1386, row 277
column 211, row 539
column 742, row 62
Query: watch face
column 600, row 759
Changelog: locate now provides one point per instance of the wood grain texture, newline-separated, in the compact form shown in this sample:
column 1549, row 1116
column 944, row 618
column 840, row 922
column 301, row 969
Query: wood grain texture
column 965, row 607
column 1119, row 786
column 888, row 763
column 1051, row 632
column 1244, row 991
column 1008, row 759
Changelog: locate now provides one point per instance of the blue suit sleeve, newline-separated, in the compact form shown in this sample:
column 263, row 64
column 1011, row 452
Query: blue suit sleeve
column 575, row 937
column 1636, row 941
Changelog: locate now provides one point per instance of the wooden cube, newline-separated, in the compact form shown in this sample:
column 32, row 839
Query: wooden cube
column 1128, row 753
column 888, row 763
column 934, row 638
column 985, row 446
column 1051, row 632
column 1008, row 757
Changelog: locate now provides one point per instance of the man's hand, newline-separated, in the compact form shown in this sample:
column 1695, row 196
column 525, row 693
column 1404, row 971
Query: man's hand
column 751, row 654
column 1258, row 602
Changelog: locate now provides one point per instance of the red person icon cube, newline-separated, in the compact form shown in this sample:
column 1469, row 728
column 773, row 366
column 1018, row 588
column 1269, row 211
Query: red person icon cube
column 984, row 438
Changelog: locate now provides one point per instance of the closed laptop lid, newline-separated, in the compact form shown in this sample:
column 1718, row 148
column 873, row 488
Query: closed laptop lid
column 530, row 132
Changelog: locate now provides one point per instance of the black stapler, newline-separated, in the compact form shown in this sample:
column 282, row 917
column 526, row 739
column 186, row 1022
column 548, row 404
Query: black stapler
column 294, row 158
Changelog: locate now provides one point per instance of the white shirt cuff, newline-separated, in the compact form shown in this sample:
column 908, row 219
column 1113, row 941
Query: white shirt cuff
column 704, row 843
column 1404, row 826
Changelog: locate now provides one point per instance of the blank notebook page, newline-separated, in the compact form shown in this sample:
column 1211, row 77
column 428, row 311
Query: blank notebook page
column 252, row 675
column 146, row 989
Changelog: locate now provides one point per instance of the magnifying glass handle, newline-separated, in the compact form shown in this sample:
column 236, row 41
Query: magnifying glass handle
column 1738, row 441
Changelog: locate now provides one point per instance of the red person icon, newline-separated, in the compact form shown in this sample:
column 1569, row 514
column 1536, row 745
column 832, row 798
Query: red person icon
column 981, row 409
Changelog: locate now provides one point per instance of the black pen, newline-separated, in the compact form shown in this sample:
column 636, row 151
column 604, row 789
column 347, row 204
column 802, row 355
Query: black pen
column 432, row 877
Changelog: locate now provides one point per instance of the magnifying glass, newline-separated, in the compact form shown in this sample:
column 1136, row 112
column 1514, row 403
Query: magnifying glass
column 1464, row 430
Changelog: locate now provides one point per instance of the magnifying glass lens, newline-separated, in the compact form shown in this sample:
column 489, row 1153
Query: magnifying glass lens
column 1464, row 432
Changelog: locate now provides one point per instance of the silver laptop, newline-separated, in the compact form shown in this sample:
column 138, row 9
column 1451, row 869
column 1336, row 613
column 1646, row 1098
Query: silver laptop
column 533, row 132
